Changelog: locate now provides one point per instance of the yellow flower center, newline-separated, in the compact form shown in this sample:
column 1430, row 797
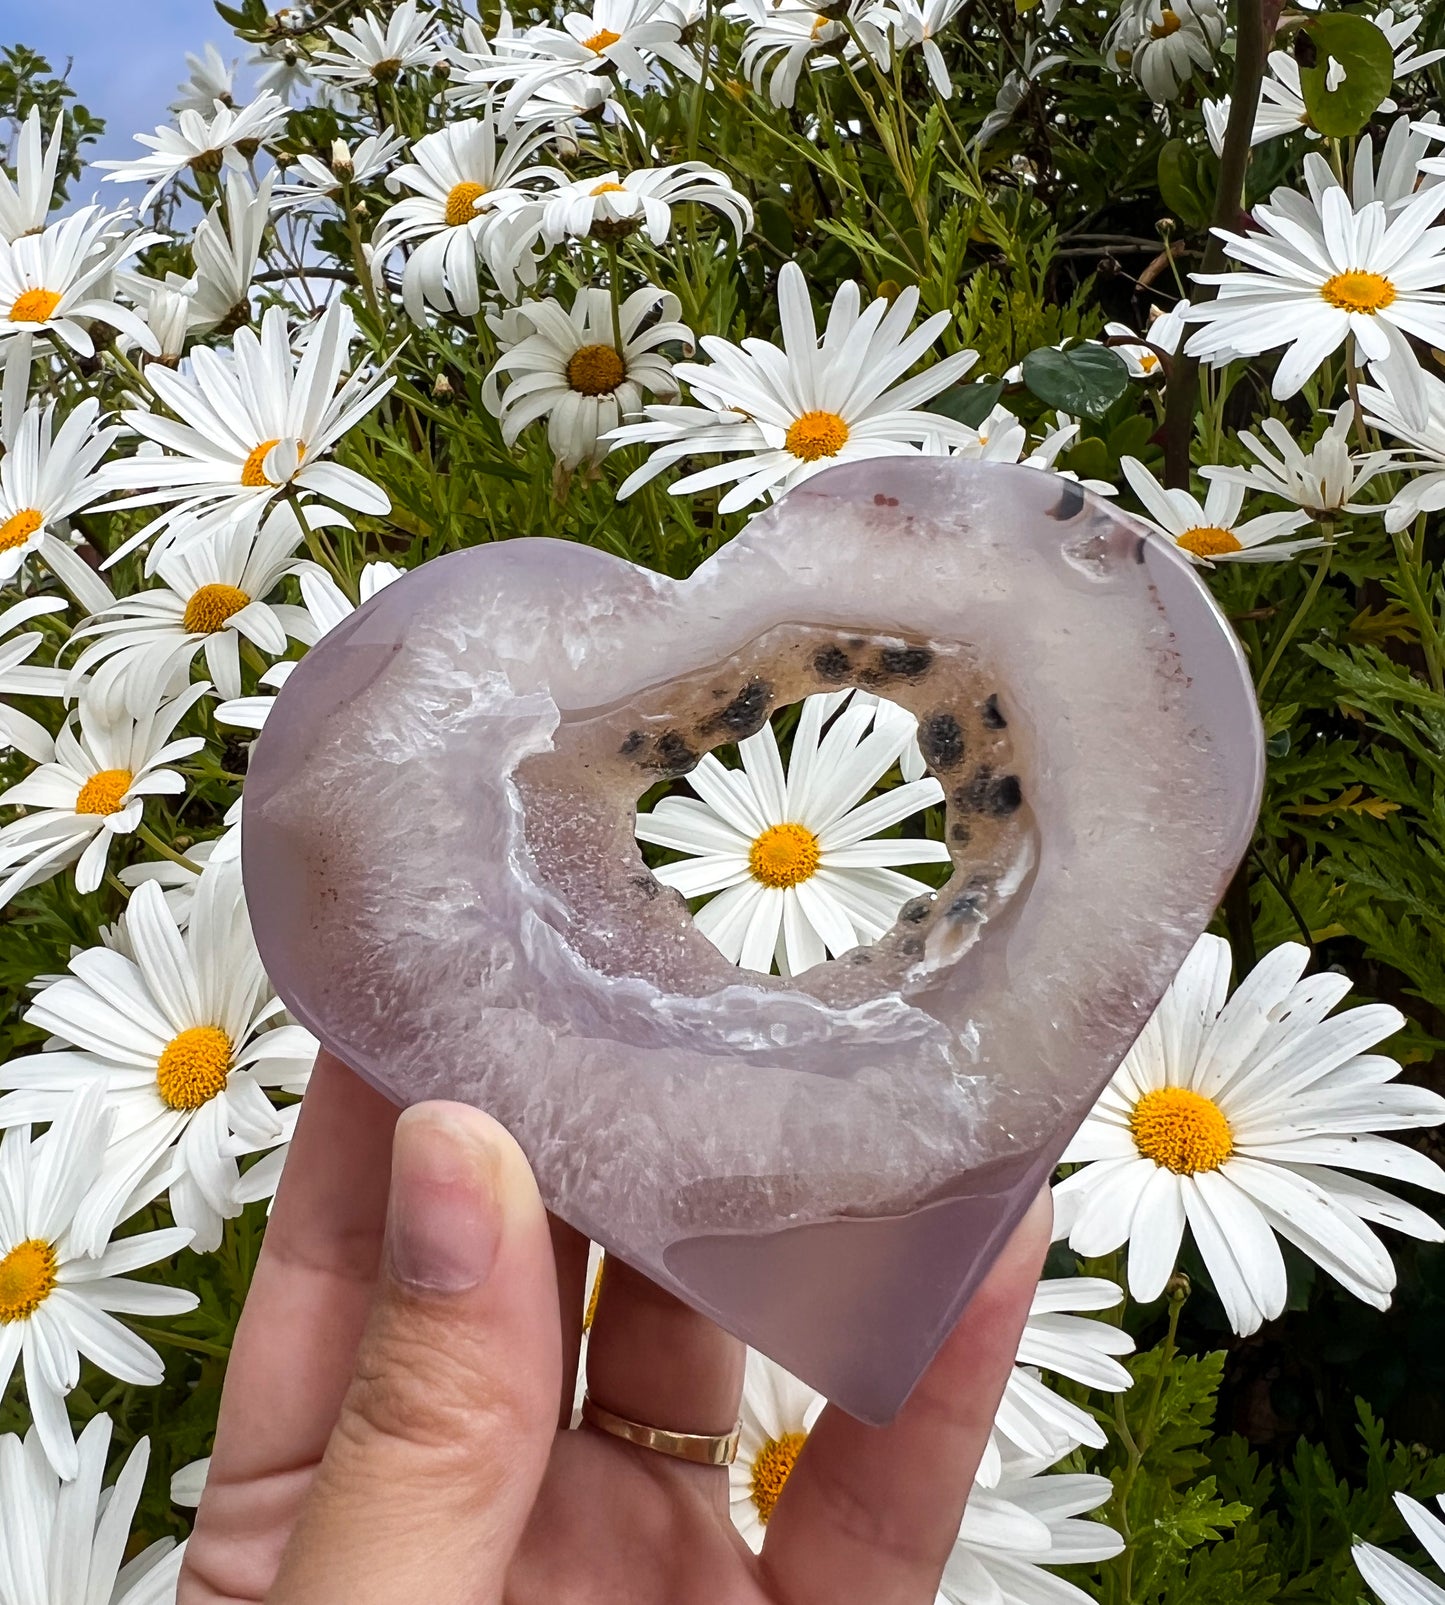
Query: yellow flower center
column 193, row 1067
column 34, row 306
column 609, row 188
column 104, row 793
column 819, row 24
column 462, row 203
column 784, row 855
column 27, row 1278
column 253, row 470
column 601, row 39
column 815, row 435
column 1148, row 361
column 595, row 370
column 1208, row 540
column 1168, row 23
column 210, row 607
column 1181, row 1130
column 590, row 1314
column 1358, row 292
column 771, row 1469
column 19, row 527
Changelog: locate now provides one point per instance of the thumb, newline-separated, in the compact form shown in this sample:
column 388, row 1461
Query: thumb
column 444, row 1434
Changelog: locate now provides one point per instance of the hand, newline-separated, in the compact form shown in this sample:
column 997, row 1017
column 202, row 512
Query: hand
column 389, row 1433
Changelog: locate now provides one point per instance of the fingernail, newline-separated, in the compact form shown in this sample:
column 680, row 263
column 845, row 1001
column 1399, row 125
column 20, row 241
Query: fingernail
column 445, row 1217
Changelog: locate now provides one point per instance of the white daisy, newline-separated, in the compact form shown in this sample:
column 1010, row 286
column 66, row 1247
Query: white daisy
column 285, row 70
column 1326, row 272
column 93, row 791
column 1392, row 1580
column 56, row 281
column 1026, row 1522
column 464, row 183
column 21, row 679
column 777, row 1414
column 1008, row 1532
column 226, row 249
column 180, row 1038
column 252, row 426
column 56, row 1295
column 568, row 367
column 792, row 413
column 374, row 50
column 611, row 207
column 1167, row 42
column 1425, row 491
column 326, row 605
column 228, row 140
column 561, row 104
column 1034, row 1421
column 1403, row 158
column 63, row 1543
column 785, row 37
column 215, row 591
column 1141, row 353
column 1213, row 532
column 26, row 200
column 1282, row 108
column 629, row 37
column 1321, row 481
column 46, row 475
column 915, row 24
column 312, row 181
column 167, row 312
column 1228, row 1116
column 1002, row 438
column 788, row 858
column 210, row 80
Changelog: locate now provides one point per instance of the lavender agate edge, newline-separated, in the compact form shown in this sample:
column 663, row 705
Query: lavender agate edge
column 446, row 888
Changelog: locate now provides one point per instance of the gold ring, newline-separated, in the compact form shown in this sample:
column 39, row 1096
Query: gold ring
column 701, row 1448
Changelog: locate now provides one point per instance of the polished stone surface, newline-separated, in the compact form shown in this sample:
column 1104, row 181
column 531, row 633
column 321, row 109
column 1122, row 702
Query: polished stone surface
column 446, row 888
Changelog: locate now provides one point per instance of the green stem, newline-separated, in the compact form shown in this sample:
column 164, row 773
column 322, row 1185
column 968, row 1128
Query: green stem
column 1407, row 555
column 149, row 837
column 316, row 542
column 614, row 289
column 358, row 253
column 694, row 136
column 1312, row 590
column 171, row 1340
column 1252, row 39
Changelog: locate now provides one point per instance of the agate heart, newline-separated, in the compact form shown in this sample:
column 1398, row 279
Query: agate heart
column 446, row 887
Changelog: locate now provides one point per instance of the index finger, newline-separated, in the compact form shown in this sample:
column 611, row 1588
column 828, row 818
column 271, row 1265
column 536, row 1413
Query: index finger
column 309, row 1299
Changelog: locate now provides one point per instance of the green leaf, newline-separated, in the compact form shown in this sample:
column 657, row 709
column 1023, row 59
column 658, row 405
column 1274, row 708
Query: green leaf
column 968, row 404
column 1355, row 45
column 1180, row 184
column 1089, row 379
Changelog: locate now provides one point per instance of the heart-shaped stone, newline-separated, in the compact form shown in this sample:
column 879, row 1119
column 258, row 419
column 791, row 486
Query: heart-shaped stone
column 447, row 890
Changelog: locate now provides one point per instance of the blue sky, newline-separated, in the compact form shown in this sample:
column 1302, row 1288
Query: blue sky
column 128, row 55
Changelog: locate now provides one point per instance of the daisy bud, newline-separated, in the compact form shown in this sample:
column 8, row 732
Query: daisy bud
column 341, row 163
column 443, row 391
column 167, row 317
column 1177, row 1288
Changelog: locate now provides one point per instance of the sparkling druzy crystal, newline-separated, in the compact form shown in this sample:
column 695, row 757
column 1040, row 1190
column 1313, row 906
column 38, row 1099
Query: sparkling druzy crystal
column 447, row 890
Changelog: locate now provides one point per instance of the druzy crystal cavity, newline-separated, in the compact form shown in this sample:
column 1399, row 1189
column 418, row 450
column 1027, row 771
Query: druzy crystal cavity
column 447, row 889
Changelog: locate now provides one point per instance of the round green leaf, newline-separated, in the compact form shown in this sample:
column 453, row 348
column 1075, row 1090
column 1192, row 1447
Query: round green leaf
column 1088, row 379
column 968, row 404
column 1344, row 42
